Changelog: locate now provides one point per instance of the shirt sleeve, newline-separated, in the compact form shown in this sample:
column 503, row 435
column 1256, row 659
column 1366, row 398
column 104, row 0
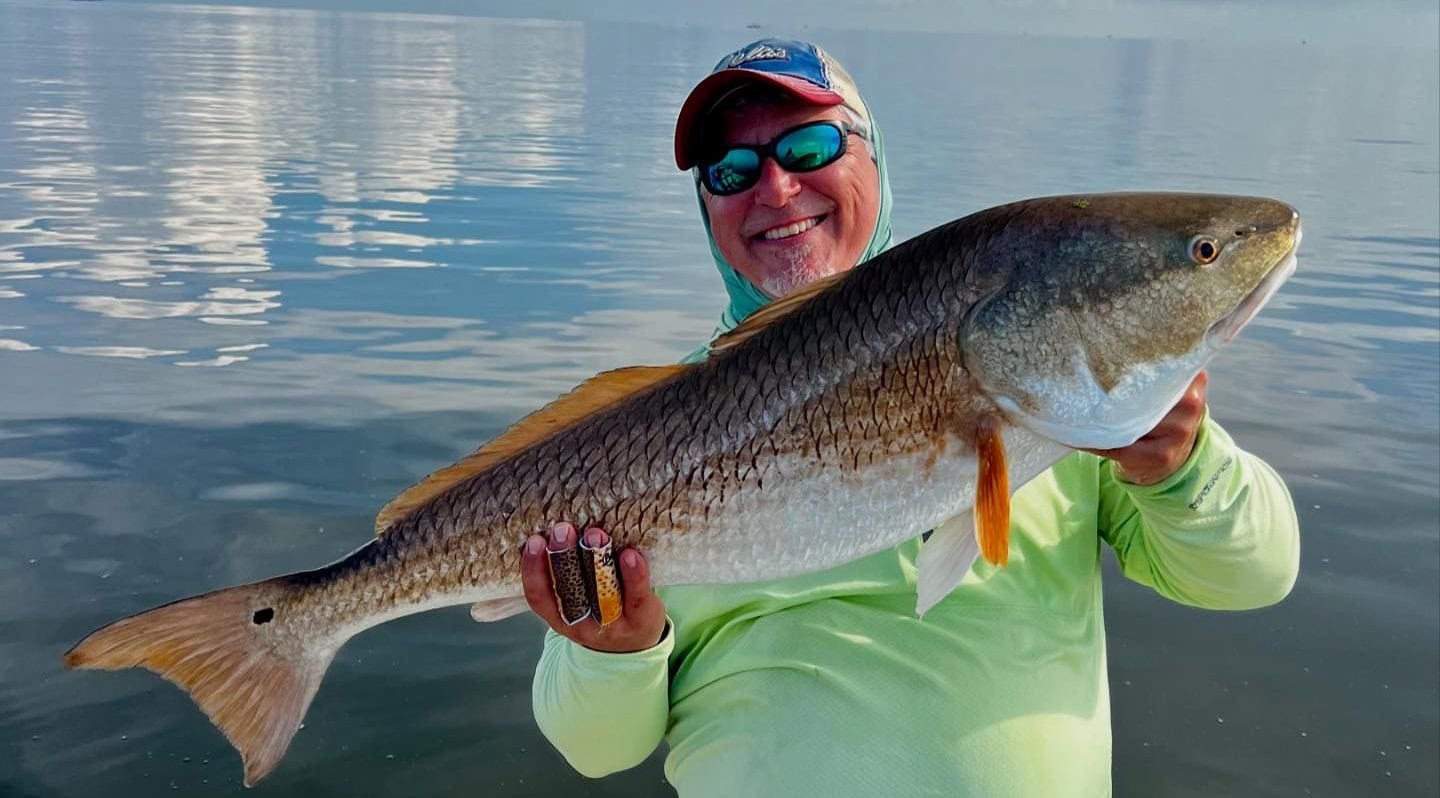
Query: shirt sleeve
column 1220, row 533
column 603, row 712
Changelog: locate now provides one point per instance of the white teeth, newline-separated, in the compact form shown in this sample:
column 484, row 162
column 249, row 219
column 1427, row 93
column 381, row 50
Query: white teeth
column 791, row 229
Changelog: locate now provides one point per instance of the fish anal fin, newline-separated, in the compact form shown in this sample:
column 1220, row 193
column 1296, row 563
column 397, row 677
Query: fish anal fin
column 221, row 648
column 498, row 609
column 770, row 313
column 944, row 560
column 992, row 492
column 588, row 397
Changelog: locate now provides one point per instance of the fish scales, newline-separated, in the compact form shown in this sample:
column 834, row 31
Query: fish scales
column 619, row 485
column 628, row 488
column 856, row 414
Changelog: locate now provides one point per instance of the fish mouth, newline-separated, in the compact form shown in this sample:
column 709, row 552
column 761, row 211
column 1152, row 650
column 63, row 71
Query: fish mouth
column 1222, row 331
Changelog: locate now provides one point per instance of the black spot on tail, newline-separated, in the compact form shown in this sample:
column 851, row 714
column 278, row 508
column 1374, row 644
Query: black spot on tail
column 265, row 616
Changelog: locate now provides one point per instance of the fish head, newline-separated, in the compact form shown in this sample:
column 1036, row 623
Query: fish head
column 1104, row 308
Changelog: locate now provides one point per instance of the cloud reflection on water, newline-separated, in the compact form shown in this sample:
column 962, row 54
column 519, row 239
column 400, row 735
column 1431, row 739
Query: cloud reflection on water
column 220, row 174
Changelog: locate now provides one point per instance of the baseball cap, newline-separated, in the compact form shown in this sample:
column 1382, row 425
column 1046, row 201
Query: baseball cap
column 799, row 68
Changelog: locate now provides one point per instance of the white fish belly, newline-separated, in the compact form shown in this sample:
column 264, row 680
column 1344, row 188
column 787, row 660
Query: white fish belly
column 807, row 518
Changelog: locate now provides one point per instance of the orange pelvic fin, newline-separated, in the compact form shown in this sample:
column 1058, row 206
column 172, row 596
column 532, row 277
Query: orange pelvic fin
column 992, row 492
column 222, row 649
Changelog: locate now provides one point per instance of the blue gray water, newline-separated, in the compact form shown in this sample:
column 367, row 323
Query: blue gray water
column 261, row 269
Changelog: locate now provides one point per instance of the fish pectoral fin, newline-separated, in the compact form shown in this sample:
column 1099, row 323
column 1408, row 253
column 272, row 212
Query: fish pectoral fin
column 772, row 312
column 992, row 492
column 498, row 609
column 591, row 396
column 944, row 560
column 955, row 545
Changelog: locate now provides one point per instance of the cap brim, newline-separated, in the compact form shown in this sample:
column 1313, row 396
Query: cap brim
column 707, row 91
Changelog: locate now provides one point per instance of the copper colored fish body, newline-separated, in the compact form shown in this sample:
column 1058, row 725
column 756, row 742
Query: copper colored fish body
column 912, row 393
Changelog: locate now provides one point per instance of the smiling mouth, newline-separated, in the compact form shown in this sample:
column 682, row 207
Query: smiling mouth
column 791, row 230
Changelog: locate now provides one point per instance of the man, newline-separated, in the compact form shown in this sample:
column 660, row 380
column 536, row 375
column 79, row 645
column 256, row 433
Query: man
column 827, row 684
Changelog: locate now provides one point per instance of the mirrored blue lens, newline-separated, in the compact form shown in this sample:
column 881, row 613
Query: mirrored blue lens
column 733, row 173
column 809, row 148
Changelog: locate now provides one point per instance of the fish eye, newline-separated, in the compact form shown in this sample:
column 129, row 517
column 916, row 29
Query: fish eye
column 1204, row 250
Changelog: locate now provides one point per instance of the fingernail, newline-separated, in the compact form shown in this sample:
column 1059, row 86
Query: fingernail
column 534, row 544
column 560, row 534
column 594, row 537
column 630, row 558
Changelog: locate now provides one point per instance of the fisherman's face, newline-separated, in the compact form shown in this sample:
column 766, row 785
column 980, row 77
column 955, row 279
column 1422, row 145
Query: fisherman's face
column 790, row 229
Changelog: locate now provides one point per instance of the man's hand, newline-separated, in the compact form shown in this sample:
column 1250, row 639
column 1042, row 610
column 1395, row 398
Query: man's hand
column 642, row 619
column 1164, row 449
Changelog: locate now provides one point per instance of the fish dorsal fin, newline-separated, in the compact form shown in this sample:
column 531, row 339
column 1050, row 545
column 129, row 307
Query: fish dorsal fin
column 769, row 314
column 598, row 392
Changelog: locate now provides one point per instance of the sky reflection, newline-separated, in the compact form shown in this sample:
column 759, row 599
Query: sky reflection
column 171, row 180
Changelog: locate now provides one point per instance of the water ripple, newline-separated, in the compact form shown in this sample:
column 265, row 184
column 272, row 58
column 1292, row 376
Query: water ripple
column 217, row 302
column 126, row 352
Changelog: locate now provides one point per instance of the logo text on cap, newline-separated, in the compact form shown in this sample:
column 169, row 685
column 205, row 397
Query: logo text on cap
column 759, row 52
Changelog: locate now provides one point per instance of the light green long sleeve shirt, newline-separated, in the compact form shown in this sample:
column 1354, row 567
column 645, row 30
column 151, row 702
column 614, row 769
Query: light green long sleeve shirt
column 828, row 685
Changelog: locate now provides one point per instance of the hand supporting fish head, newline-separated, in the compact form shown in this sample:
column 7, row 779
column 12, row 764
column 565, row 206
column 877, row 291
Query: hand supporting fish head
column 1106, row 307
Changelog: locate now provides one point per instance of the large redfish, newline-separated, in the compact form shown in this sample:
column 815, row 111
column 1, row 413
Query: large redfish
column 872, row 406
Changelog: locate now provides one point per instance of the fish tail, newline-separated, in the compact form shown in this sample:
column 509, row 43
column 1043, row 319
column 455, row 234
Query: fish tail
column 232, row 652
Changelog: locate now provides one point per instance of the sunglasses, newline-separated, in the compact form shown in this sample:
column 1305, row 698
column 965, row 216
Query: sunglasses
column 811, row 146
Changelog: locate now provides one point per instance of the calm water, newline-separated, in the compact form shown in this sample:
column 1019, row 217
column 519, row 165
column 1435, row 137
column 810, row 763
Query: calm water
column 259, row 270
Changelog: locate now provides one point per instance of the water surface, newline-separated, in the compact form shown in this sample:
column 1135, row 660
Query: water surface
column 261, row 269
